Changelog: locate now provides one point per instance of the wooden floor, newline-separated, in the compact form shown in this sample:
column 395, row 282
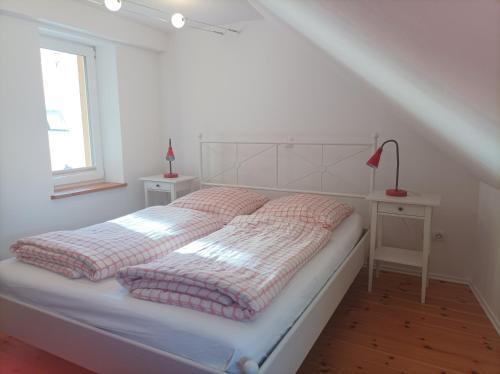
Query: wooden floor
column 387, row 331
column 20, row 358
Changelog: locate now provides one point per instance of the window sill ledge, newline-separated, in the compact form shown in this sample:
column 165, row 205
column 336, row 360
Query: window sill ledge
column 85, row 189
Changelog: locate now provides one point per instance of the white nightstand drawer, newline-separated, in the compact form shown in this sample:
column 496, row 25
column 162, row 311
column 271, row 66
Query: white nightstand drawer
column 171, row 186
column 157, row 186
column 401, row 209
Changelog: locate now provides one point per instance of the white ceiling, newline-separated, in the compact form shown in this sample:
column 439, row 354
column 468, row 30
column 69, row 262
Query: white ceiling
column 218, row 12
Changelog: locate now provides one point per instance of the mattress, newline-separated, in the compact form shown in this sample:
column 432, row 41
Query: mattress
column 207, row 339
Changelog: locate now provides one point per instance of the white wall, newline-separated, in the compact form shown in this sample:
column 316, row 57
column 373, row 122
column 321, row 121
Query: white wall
column 360, row 35
column 270, row 82
column 486, row 253
column 25, row 175
column 87, row 19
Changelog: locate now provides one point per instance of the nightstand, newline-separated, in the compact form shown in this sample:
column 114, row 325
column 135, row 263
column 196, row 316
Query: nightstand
column 169, row 185
column 413, row 206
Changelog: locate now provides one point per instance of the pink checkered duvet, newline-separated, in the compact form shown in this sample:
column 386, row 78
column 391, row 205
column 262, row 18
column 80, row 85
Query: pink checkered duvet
column 99, row 251
column 234, row 272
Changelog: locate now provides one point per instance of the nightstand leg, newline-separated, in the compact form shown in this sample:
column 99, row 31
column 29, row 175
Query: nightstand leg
column 373, row 238
column 146, row 197
column 380, row 225
column 173, row 194
column 426, row 251
column 424, row 283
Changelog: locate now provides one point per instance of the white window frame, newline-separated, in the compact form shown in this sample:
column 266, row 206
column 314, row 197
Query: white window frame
column 95, row 172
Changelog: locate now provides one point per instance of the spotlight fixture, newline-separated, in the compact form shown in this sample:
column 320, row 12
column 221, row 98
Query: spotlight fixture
column 178, row 20
column 113, row 5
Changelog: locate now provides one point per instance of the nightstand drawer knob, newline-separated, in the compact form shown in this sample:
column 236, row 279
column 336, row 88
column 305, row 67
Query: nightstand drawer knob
column 400, row 208
column 158, row 185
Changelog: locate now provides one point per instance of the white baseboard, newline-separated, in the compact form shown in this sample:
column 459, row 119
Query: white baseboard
column 482, row 301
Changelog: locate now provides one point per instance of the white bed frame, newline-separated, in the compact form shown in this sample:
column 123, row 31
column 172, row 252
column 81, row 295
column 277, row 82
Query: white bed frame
column 105, row 352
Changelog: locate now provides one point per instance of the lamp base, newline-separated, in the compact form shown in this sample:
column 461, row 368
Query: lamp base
column 170, row 175
column 396, row 193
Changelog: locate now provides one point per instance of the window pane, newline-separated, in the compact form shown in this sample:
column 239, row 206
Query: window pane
column 66, row 107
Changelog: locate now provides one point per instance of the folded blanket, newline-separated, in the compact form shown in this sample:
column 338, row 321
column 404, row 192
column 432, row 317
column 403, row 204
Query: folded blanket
column 234, row 272
column 99, row 251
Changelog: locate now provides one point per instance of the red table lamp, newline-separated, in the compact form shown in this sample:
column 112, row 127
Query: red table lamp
column 170, row 157
column 374, row 161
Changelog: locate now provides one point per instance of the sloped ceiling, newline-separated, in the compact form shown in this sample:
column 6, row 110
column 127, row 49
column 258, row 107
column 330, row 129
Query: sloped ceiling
column 438, row 59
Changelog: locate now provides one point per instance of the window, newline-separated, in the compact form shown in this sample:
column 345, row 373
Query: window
column 70, row 89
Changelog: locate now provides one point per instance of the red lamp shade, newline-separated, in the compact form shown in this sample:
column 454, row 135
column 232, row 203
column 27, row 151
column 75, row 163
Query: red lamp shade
column 170, row 154
column 375, row 159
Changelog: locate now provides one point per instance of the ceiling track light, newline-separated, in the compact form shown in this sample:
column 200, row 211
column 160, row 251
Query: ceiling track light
column 206, row 30
column 113, row 5
column 215, row 26
column 177, row 20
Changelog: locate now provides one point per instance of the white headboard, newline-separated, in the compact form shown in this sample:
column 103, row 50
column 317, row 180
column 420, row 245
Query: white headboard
column 336, row 168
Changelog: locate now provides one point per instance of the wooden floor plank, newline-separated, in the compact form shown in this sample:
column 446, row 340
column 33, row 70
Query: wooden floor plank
column 457, row 348
column 21, row 358
column 443, row 303
column 428, row 308
column 423, row 353
column 356, row 307
column 336, row 354
column 449, row 334
column 387, row 331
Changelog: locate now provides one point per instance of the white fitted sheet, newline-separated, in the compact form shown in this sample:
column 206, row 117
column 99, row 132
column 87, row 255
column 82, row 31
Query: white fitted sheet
column 207, row 339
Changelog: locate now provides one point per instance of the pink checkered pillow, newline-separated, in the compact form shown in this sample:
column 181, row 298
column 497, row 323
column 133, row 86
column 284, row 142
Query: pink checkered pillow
column 317, row 209
column 227, row 202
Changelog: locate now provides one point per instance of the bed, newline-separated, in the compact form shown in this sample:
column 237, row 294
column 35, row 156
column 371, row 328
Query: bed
column 110, row 331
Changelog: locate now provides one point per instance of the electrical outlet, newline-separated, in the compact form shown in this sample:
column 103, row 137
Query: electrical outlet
column 438, row 236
